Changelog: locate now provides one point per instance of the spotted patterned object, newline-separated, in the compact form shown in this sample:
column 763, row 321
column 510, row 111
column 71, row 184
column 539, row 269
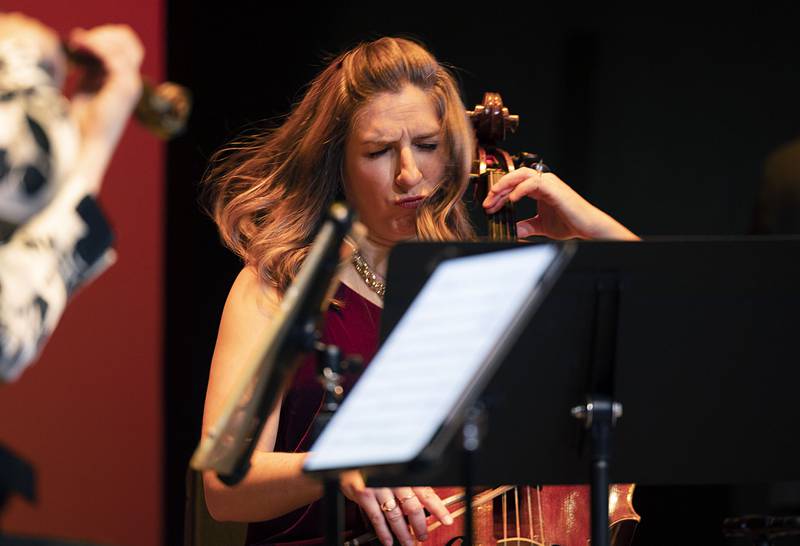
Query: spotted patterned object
column 38, row 139
column 53, row 241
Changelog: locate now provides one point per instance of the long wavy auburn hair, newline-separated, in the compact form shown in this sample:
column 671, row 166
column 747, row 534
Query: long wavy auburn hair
column 268, row 193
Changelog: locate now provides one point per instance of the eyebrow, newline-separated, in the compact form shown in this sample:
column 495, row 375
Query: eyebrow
column 426, row 136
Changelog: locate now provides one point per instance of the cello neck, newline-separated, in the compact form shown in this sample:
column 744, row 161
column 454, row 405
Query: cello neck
column 502, row 224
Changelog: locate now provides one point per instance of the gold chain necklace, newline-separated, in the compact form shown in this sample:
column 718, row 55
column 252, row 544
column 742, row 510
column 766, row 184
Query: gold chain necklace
column 370, row 278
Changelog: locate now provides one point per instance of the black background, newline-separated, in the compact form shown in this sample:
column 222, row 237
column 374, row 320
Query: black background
column 663, row 120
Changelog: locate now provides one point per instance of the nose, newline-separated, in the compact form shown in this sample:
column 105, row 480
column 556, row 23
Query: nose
column 408, row 175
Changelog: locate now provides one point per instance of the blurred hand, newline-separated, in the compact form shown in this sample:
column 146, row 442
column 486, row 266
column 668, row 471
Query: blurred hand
column 106, row 97
column 104, row 101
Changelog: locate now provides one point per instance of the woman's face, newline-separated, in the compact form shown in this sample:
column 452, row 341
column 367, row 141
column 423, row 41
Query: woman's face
column 393, row 160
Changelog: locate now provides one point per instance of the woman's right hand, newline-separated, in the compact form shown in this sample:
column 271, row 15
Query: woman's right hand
column 387, row 509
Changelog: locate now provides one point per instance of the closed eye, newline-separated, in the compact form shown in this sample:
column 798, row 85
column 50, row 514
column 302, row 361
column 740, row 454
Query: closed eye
column 378, row 153
column 424, row 146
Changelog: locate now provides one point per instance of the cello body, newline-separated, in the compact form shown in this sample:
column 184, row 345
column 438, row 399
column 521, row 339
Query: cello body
column 544, row 516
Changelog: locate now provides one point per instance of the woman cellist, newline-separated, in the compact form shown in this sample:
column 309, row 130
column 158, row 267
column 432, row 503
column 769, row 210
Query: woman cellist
column 383, row 127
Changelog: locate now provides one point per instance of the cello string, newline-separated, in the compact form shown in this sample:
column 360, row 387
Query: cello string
column 496, row 224
column 512, row 225
column 507, row 217
column 516, row 510
column 541, row 515
column 530, row 513
column 505, row 518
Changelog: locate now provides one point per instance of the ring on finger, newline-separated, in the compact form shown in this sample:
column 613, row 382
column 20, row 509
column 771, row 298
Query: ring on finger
column 406, row 498
column 389, row 505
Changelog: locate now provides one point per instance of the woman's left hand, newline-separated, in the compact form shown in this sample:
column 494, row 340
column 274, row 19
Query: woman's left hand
column 399, row 510
column 562, row 213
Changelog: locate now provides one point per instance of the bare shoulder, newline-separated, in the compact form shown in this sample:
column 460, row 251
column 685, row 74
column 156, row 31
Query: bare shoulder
column 250, row 296
column 248, row 311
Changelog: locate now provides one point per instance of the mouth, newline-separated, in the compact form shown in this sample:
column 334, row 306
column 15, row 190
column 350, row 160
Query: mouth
column 410, row 202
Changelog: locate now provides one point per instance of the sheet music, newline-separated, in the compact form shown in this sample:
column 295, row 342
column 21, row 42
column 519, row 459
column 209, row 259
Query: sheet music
column 433, row 353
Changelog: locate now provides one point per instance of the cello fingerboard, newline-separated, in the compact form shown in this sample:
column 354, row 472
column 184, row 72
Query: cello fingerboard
column 502, row 224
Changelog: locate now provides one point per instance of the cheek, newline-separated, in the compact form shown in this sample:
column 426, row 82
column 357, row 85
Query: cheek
column 363, row 190
column 432, row 166
column 366, row 180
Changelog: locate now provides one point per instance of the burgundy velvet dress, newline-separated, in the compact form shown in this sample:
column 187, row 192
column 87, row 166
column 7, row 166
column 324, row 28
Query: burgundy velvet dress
column 354, row 328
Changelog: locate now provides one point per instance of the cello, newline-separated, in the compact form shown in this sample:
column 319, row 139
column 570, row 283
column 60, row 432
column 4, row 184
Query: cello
column 517, row 515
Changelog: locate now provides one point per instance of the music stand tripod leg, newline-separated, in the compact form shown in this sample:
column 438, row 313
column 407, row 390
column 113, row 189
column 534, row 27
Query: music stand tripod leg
column 330, row 370
column 471, row 434
column 334, row 512
column 599, row 416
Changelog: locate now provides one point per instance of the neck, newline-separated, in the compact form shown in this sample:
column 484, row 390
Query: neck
column 376, row 252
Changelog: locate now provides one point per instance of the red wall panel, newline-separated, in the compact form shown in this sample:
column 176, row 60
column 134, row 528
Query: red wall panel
column 88, row 414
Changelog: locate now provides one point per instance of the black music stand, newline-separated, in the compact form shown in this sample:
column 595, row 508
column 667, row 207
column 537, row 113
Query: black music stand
column 295, row 331
column 696, row 339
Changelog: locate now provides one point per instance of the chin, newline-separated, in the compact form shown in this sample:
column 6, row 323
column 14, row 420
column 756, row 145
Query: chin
column 404, row 229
